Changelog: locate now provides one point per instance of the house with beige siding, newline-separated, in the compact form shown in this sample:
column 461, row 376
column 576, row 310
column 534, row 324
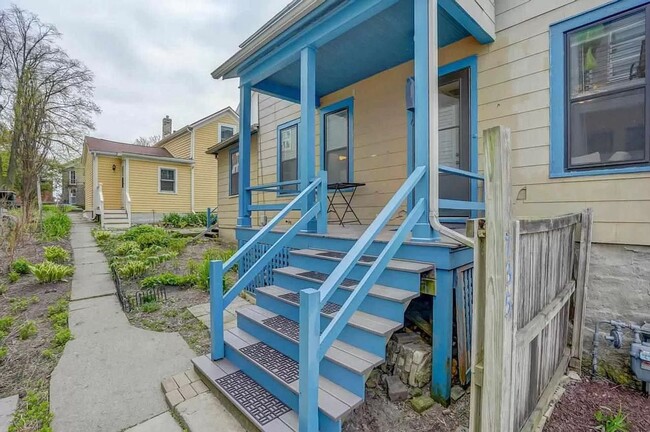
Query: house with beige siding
column 388, row 100
column 134, row 184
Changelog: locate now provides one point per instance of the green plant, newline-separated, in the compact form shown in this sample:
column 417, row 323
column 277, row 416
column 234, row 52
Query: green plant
column 3, row 289
column 102, row 235
column 5, row 323
column 13, row 276
column 131, row 269
column 129, row 247
column 48, row 354
column 612, row 422
column 3, row 353
column 48, row 271
column 56, row 254
column 27, row 330
column 35, row 413
column 56, row 225
column 21, row 266
column 60, row 306
column 167, row 279
column 19, row 304
column 62, row 337
column 150, row 307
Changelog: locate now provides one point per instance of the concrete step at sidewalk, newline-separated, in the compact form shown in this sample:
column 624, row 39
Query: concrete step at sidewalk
column 161, row 423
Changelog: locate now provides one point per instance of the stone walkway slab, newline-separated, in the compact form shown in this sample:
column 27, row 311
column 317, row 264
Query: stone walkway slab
column 109, row 375
column 204, row 413
column 161, row 423
column 7, row 408
column 202, row 312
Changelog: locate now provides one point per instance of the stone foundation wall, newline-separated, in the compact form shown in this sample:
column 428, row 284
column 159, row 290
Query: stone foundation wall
column 619, row 289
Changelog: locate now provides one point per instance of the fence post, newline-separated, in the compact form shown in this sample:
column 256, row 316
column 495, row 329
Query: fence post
column 497, row 391
column 308, row 356
column 322, row 198
column 581, row 288
column 216, row 309
column 207, row 224
column 476, row 230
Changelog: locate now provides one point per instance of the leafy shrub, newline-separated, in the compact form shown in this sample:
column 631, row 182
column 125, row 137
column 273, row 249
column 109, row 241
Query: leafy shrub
column 132, row 269
column 3, row 289
column 13, row 276
column 19, row 304
column 219, row 254
column 27, row 330
column 48, row 354
column 48, row 271
column 172, row 220
column 129, row 247
column 59, row 307
column 612, row 422
column 159, row 238
column 102, row 235
column 21, row 266
column 61, row 337
column 175, row 220
column 167, row 279
column 3, row 353
column 35, row 414
column 56, row 254
column 5, row 323
column 56, row 225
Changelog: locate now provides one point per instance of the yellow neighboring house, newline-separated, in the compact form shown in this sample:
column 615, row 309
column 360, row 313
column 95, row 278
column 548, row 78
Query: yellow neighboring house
column 134, row 184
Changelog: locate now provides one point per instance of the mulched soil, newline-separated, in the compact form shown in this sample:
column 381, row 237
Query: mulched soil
column 25, row 367
column 576, row 409
column 379, row 414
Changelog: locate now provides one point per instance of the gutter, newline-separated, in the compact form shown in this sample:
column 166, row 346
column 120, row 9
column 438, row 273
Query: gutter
column 144, row 157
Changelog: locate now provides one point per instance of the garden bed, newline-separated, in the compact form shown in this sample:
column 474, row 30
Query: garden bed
column 591, row 405
column 33, row 328
column 176, row 263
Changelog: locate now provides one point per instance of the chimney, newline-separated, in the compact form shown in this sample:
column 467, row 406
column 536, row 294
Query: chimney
column 167, row 126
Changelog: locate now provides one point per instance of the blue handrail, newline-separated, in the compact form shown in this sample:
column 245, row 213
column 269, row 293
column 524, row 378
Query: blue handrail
column 220, row 300
column 313, row 345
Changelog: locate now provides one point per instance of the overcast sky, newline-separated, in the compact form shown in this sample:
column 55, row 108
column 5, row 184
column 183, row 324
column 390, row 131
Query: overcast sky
column 153, row 58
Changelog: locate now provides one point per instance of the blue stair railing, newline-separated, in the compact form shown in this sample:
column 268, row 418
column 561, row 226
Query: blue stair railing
column 219, row 300
column 211, row 218
column 313, row 343
column 449, row 204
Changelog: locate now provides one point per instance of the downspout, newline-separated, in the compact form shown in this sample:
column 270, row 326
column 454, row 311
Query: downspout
column 434, row 176
column 192, row 152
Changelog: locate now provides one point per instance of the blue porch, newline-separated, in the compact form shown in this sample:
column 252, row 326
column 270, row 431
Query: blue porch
column 328, row 299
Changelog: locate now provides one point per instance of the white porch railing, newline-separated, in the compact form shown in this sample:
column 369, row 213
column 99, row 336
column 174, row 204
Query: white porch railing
column 100, row 197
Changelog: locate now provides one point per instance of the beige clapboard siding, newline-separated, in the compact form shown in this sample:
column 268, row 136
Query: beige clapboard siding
column 111, row 181
column 205, row 168
column 143, row 188
column 180, row 146
column 89, row 188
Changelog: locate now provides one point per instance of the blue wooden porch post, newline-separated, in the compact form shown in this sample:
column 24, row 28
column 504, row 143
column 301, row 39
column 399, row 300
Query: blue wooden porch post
column 216, row 310
column 244, row 219
column 306, row 131
column 309, row 360
column 422, row 229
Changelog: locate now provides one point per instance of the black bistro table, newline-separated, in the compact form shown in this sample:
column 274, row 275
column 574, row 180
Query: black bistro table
column 344, row 203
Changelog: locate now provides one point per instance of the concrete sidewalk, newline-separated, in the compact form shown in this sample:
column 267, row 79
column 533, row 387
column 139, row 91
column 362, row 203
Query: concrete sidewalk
column 108, row 378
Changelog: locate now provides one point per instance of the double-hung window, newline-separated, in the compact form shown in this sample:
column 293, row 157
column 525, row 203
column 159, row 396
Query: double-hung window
column 234, row 172
column 167, row 180
column 337, row 141
column 605, row 101
column 288, row 155
column 73, row 177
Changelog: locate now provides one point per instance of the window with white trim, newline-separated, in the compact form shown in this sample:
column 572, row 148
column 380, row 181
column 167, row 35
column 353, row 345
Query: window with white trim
column 288, row 154
column 337, row 145
column 167, row 180
column 72, row 177
column 225, row 132
column 234, row 173
column 606, row 95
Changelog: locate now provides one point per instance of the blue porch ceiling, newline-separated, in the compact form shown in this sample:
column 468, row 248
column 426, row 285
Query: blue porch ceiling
column 379, row 43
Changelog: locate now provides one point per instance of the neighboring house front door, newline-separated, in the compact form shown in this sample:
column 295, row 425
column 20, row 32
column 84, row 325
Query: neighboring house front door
column 72, row 195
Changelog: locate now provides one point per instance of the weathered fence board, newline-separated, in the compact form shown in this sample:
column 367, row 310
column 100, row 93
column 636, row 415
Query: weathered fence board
column 529, row 299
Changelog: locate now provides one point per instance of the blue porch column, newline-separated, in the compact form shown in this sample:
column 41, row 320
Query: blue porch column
column 306, row 131
column 422, row 230
column 244, row 219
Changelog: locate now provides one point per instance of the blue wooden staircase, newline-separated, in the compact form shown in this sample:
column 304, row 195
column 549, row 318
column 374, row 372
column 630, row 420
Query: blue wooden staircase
column 298, row 360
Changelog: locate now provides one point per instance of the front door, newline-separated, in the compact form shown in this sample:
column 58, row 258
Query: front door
column 454, row 137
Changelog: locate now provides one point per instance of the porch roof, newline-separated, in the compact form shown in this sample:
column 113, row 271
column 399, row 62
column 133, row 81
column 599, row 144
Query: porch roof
column 355, row 40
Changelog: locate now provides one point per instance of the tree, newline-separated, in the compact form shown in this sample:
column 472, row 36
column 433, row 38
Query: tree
column 49, row 105
column 147, row 141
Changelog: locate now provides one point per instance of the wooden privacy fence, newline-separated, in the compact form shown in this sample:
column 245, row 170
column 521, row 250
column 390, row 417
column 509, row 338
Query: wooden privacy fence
column 529, row 302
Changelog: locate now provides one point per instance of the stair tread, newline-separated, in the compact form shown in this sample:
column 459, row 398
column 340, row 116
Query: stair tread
column 363, row 320
column 333, row 400
column 228, row 378
column 381, row 291
column 367, row 260
column 346, row 355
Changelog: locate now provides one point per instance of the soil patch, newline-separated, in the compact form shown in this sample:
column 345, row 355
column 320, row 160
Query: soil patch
column 576, row 410
column 378, row 413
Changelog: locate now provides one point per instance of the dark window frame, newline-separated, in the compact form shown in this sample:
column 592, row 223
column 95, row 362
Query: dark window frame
column 290, row 189
column 233, row 186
